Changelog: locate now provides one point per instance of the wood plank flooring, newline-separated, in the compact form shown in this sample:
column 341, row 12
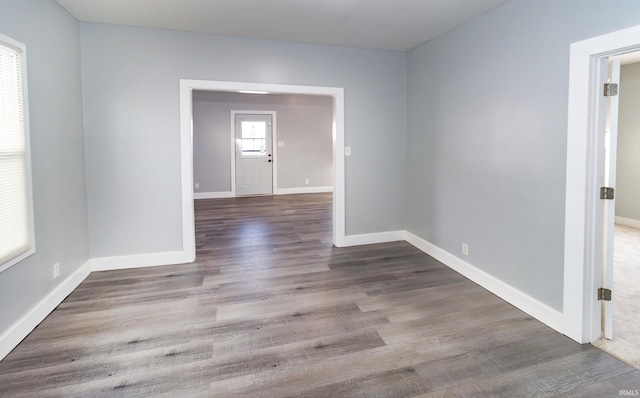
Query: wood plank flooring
column 271, row 309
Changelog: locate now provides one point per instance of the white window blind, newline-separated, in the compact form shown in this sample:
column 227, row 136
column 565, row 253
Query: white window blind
column 16, row 232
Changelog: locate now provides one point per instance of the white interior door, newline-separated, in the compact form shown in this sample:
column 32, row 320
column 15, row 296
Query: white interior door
column 611, row 147
column 254, row 160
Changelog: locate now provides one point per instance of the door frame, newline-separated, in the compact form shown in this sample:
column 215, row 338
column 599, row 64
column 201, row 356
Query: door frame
column 186, row 148
column 274, row 163
column 582, row 263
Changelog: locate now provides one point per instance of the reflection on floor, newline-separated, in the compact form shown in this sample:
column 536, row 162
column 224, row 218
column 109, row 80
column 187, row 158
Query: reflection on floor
column 626, row 294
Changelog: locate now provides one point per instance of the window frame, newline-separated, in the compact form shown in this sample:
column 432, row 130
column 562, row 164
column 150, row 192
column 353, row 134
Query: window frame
column 259, row 155
column 21, row 48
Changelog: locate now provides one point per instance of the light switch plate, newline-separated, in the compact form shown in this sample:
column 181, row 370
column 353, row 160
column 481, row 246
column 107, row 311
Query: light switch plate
column 347, row 151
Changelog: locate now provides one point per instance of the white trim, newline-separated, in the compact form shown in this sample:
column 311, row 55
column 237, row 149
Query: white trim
column 186, row 153
column 513, row 296
column 293, row 191
column 629, row 222
column 21, row 329
column 581, row 269
column 274, row 163
column 213, row 195
column 232, row 154
column 139, row 261
column 370, row 239
column 274, row 152
column 16, row 333
column 339, row 183
column 186, row 171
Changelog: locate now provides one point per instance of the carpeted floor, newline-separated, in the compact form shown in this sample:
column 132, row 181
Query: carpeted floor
column 625, row 344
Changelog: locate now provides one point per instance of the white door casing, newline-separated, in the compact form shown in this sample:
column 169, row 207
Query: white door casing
column 583, row 249
column 253, row 154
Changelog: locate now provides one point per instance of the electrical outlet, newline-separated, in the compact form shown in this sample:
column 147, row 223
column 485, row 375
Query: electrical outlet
column 197, row 185
column 56, row 270
column 306, row 181
column 465, row 249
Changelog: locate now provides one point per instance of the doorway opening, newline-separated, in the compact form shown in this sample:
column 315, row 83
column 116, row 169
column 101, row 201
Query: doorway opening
column 584, row 210
column 187, row 87
column 622, row 231
column 297, row 139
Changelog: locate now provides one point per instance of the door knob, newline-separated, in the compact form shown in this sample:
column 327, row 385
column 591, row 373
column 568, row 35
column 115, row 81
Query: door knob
column 269, row 160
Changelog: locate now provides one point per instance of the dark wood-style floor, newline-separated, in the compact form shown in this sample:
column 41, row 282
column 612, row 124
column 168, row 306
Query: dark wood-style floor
column 271, row 309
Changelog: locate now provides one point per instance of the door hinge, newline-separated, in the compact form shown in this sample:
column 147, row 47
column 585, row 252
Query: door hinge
column 606, row 193
column 604, row 294
column 610, row 89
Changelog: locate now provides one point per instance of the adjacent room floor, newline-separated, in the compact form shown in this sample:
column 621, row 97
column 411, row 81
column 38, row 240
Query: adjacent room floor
column 626, row 297
column 271, row 309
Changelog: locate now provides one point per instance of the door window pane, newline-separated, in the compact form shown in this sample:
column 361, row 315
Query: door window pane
column 254, row 138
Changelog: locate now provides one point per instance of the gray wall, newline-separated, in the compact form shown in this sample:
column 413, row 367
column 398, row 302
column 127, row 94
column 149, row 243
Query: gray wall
column 628, row 162
column 131, row 102
column 487, row 132
column 57, row 153
column 304, row 124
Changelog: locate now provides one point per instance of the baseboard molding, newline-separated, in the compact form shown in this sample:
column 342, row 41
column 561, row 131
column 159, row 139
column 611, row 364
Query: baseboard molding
column 513, row 296
column 370, row 239
column 140, row 260
column 282, row 191
column 17, row 332
column 629, row 222
column 291, row 191
column 21, row 329
column 213, row 195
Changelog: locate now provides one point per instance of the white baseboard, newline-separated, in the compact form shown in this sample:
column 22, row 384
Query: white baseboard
column 291, row 191
column 140, row 260
column 17, row 332
column 370, row 239
column 629, row 222
column 213, row 195
column 515, row 297
column 281, row 191
column 21, row 329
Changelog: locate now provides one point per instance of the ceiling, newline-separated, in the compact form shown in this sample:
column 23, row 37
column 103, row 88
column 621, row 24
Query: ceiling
column 381, row 24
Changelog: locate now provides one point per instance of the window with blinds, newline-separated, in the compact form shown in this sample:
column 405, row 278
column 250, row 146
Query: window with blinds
column 16, row 214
